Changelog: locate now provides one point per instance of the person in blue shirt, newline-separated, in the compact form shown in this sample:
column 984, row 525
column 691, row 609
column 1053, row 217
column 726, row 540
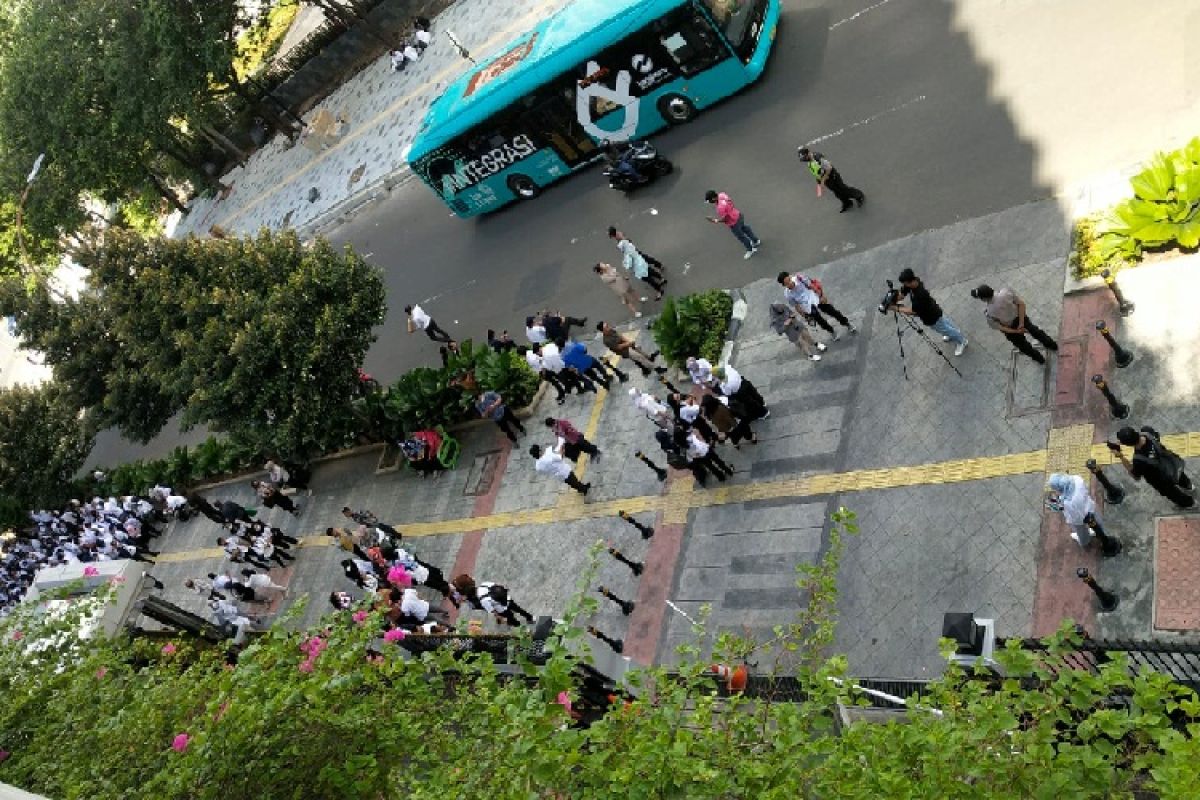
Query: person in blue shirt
column 576, row 356
column 490, row 405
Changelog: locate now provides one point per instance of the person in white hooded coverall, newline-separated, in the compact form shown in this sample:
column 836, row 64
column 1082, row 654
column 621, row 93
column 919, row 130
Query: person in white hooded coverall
column 1069, row 495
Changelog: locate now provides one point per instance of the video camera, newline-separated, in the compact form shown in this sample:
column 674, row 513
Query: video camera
column 891, row 298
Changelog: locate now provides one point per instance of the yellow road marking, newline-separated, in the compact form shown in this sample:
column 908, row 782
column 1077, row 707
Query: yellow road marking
column 593, row 425
column 684, row 496
column 521, row 25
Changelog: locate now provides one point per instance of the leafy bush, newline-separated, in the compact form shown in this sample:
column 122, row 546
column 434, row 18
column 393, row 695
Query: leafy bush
column 348, row 718
column 1087, row 258
column 1164, row 210
column 426, row 397
column 693, row 325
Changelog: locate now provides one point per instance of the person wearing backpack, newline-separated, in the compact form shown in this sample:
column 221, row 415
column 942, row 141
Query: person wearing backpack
column 1161, row 468
column 807, row 296
column 492, row 598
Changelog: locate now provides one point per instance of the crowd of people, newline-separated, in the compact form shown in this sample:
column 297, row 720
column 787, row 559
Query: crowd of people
column 84, row 532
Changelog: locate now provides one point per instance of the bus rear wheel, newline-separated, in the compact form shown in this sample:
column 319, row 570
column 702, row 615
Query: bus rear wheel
column 676, row 109
column 523, row 186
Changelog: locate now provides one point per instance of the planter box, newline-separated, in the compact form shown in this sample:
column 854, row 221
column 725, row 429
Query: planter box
column 391, row 461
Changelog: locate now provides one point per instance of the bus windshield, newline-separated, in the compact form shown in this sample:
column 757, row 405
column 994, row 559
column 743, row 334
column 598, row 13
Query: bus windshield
column 733, row 17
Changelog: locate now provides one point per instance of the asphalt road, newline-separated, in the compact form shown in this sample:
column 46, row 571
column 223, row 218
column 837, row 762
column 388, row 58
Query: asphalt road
column 939, row 111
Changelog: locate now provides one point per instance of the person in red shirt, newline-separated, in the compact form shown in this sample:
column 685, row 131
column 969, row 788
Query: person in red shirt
column 573, row 438
column 729, row 215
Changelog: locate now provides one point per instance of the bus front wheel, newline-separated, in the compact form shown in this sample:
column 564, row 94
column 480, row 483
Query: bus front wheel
column 676, row 109
column 523, row 187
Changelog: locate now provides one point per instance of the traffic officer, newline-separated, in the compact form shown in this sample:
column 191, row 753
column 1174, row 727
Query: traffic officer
column 826, row 175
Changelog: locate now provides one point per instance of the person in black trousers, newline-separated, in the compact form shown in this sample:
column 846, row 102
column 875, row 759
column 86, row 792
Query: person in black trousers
column 827, row 176
column 1006, row 313
column 232, row 512
column 201, row 504
column 1161, row 468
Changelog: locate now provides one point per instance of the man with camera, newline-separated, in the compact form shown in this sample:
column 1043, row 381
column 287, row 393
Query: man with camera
column 925, row 308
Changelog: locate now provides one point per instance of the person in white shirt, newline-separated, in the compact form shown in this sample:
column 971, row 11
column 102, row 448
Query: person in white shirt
column 490, row 597
column 552, row 360
column 261, row 582
column 535, row 331
column 536, row 364
column 658, row 413
column 701, row 452
column 808, row 297
column 700, row 371
column 418, row 320
column 552, row 462
column 413, row 606
column 744, row 400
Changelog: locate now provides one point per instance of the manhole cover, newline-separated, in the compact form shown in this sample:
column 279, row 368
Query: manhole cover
column 482, row 474
column 1176, row 564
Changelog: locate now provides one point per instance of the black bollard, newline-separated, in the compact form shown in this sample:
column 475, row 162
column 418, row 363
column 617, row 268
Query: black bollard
column 1123, row 305
column 635, row 566
column 1122, row 356
column 1109, row 546
column 626, row 605
column 1113, row 495
column 1108, row 600
column 659, row 471
column 617, row 645
column 646, row 530
column 1118, row 409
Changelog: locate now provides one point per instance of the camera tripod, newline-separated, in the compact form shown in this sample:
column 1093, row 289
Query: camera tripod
column 920, row 330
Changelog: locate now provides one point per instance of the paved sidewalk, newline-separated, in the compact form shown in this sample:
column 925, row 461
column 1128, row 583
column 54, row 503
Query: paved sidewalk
column 945, row 473
column 382, row 112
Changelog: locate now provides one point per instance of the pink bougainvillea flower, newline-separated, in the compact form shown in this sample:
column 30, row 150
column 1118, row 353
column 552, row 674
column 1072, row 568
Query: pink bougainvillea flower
column 394, row 635
column 180, row 743
column 168, row 649
column 398, row 576
column 313, row 647
column 100, row 673
column 17, row 636
column 359, row 616
column 564, row 700
column 90, row 572
column 116, row 580
column 306, row 665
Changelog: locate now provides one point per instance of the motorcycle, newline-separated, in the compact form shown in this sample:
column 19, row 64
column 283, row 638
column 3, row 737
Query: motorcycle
column 642, row 157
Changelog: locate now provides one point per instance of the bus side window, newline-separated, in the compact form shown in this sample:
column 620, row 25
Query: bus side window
column 692, row 44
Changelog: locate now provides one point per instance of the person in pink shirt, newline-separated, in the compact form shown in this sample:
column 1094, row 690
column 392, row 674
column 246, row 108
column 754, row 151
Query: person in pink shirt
column 728, row 214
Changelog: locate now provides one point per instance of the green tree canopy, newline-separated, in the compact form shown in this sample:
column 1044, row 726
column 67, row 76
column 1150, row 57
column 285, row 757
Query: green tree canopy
column 259, row 337
column 102, row 87
column 44, row 439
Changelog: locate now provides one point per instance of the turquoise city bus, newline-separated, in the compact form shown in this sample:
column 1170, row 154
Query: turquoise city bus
column 597, row 70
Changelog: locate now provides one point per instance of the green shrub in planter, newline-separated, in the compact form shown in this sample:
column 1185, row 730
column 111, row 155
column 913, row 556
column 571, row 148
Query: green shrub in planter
column 693, row 325
column 1164, row 210
column 507, row 373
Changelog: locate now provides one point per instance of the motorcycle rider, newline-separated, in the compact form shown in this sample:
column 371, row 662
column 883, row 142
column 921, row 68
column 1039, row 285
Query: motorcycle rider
column 619, row 159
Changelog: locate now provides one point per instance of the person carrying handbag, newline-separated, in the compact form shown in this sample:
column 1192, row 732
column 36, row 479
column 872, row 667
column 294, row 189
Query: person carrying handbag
column 1161, row 468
